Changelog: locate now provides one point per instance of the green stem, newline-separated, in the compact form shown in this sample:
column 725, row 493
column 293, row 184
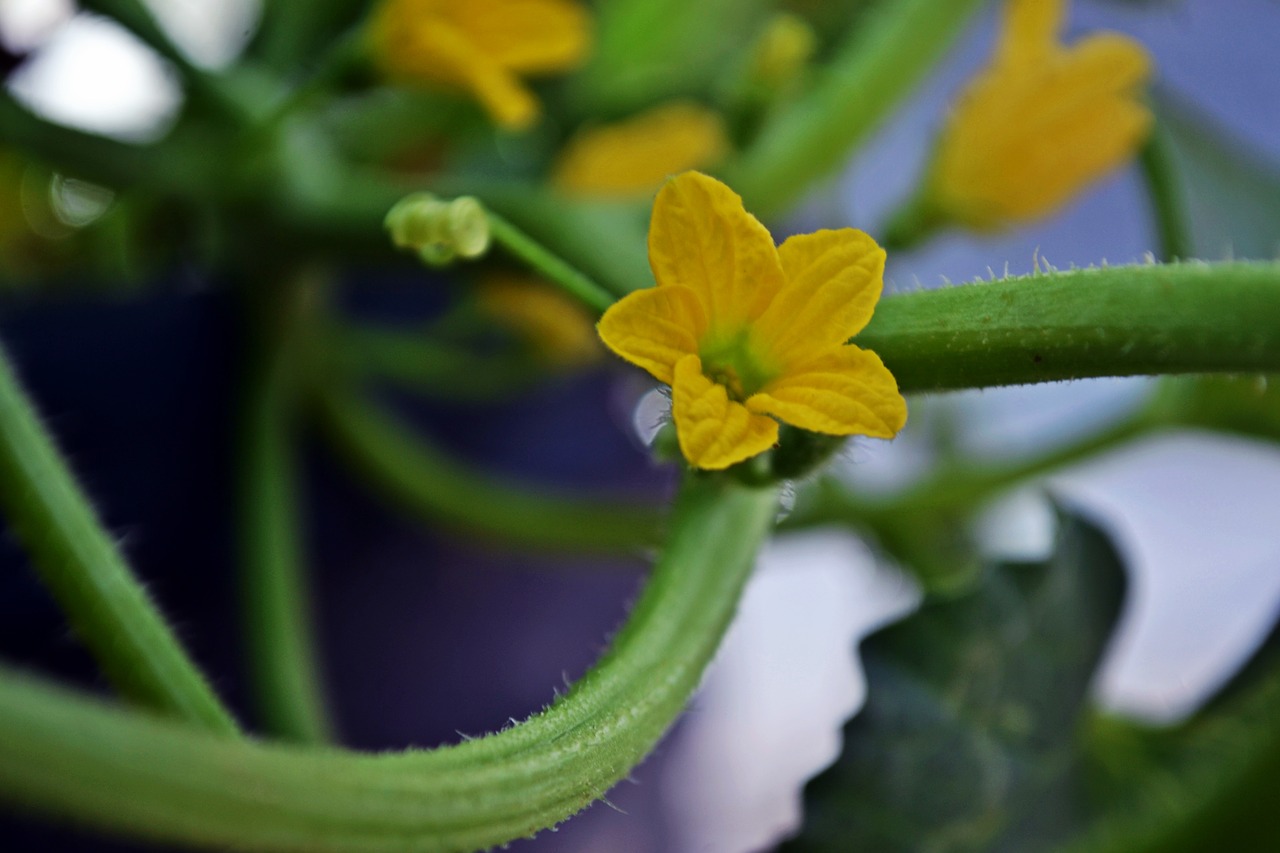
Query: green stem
column 960, row 487
column 883, row 61
column 280, row 635
column 429, row 483
column 1168, row 202
column 72, row 757
column 1114, row 321
column 548, row 264
column 79, row 562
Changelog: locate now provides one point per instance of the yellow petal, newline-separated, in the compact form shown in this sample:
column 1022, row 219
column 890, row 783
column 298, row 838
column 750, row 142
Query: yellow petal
column 1029, row 30
column 557, row 327
column 636, row 155
column 846, row 391
column 833, row 279
column 655, row 328
column 1023, row 141
column 715, row 432
column 701, row 237
column 418, row 48
column 528, row 36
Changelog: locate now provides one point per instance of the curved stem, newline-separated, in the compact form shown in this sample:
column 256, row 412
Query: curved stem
column 135, row 774
column 79, row 562
column 430, row 483
column 880, row 65
column 1114, row 321
column 276, row 597
column 549, row 265
column 1168, row 202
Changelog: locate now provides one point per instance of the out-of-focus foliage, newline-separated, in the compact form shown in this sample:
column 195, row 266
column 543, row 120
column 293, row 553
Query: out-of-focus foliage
column 1233, row 193
column 970, row 736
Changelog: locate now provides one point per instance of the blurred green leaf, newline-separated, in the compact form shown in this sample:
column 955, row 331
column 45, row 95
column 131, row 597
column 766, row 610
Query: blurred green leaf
column 650, row 50
column 968, row 740
column 1209, row 784
column 1233, row 193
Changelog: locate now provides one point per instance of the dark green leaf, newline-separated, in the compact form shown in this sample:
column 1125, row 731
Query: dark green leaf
column 1204, row 786
column 968, row 738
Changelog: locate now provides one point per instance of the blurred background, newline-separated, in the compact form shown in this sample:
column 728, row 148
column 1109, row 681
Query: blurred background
column 425, row 636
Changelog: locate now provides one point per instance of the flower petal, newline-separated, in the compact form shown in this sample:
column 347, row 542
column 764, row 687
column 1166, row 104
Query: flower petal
column 1029, row 30
column 701, row 237
column 833, row 281
column 634, row 156
column 846, row 391
column 714, row 431
column 528, row 36
column 435, row 50
column 655, row 328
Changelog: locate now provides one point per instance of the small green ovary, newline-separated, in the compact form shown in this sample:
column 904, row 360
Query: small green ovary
column 730, row 361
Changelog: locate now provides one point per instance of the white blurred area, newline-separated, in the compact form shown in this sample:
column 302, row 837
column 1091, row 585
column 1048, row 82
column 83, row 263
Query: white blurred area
column 88, row 72
column 1196, row 516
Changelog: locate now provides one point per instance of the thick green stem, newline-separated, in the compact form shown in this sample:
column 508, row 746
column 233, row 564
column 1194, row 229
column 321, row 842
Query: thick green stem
column 1114, row 321
column 277, row 605
column 75, row 758
column 549, row 265
column 886, row 57
column 430, row 483
column 1168, row 202
column 81, row 565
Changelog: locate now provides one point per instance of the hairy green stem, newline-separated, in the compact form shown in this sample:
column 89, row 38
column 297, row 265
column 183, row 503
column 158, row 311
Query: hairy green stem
column 80, row 563
column 548, row 264
column 430, row 483
column 1168, row 202
column 884, row 59
column 1113, row 321
column 72, row 757
column 276, row 596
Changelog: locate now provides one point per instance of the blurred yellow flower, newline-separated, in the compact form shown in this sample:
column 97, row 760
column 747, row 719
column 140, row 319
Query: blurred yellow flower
column 481, row 47
column 556, row 327
column 745, row 331
column 634, row 156
column 1041, row 122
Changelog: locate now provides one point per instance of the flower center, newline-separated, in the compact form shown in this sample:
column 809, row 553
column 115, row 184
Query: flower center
column 730, row 361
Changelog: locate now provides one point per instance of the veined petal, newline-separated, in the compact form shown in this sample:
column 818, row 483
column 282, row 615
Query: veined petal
column 714, row 431
column 1029, row 30
column 833, row 279
column 846, row 391
column 527, row 36
column 701, row 237
column 655, row 328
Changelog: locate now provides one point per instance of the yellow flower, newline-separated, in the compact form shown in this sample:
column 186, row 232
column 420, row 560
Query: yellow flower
column 1041, row 122
column 632, row 157
column 480, row 47
column 556, row 326
column 745, row 332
